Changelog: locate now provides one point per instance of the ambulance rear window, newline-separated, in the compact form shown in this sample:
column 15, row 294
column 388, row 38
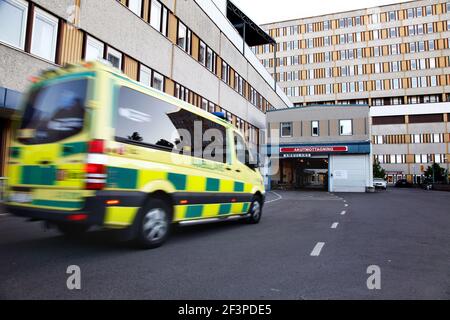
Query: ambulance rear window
column 54, row 112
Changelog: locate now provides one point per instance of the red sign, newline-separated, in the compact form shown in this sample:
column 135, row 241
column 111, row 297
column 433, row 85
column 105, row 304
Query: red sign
column 314, row 149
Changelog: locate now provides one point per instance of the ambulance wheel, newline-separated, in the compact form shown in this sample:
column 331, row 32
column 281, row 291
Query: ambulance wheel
column 71, row 230
column 255, row 211
column 154, row 224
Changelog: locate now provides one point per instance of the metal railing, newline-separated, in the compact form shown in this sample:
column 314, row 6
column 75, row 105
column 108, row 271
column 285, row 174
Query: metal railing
column 2, row 189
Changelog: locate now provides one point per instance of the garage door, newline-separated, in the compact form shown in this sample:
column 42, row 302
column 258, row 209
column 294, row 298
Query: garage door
column 349, row 173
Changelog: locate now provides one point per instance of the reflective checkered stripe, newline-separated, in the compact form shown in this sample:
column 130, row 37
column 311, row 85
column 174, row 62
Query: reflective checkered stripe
column 131, row 179
column 125, row 178
column 204, row 211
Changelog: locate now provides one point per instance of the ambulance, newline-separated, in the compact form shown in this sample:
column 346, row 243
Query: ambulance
column 91, row 147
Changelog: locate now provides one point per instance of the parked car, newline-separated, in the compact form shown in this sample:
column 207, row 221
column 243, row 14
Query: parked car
column 403, row 183
column 379, row 183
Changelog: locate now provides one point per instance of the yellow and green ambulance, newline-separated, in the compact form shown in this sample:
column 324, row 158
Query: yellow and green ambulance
column 93, row 147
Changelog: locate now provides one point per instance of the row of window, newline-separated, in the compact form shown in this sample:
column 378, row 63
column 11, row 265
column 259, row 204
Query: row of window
column 409, row 138
column 345, row 128
column 356, row 21
column 250, row 131
column 361, row 86
column 362, row 69
column 14, row 25
column 357, row 37
column 387, row 101
column 358, row 53
column 157, row 12
column 418, row 158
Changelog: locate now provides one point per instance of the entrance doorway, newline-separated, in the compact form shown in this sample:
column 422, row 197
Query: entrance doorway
column 306, row 173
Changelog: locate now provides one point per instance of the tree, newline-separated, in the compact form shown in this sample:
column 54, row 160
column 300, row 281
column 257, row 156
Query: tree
column 436, row 173
column 378, row 171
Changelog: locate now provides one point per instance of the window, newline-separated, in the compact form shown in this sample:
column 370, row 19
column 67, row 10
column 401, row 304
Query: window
column 421, row 158
column 438, row 158
column 345, row 127
column 392, row 15
column 135, row 6
column 315, row 128
column 433, row 81
column 13, row 20
column 184, row 38
column 164, row 24
column 210, row 60
column 211, row 107
column 395, row 84
column 431, row 45
column 393, row 32
column 204, row 104
column 378, row 139
column 55, row 112
column 45, row 30
column 115, row 57
column 202, row 53
column 158, row 81
column 419, row 12
column 145, row 76
column 94, row 49
column 225, row 72
column 286, row 129
column 374, row 18
column 150, row 122
column 155, row 15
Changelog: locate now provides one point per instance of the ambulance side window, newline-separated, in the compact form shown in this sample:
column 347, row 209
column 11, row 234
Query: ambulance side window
column 148, row 121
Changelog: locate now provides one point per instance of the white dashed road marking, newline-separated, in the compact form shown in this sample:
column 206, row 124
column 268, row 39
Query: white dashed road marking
column 317, row 249
column 346, row 205
column 343, row 213
column 334, row 225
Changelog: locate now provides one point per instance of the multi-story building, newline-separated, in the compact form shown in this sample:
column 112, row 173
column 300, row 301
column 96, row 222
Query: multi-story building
column 190, row 49
column 395, row 55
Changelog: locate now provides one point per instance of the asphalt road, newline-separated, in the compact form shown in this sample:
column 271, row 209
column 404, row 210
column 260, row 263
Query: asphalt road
column 403, row 232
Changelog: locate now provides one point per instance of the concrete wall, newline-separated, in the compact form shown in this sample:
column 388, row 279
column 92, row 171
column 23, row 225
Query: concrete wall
column 328, row 117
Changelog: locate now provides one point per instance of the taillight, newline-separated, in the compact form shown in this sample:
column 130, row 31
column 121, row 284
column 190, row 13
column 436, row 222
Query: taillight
column 96, row 146
column 96, row 166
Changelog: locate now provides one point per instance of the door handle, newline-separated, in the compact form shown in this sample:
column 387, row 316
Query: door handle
column 45, row 162
column 237, row 170
column 229, row 169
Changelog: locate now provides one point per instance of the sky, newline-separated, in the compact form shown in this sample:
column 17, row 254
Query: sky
column 264, row 11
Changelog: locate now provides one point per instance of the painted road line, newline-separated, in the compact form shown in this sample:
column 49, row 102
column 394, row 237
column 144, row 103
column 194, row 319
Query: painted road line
column 343, row 213
column 334, row 225
column 273, row 200
column 346, row 205
column 317, row 249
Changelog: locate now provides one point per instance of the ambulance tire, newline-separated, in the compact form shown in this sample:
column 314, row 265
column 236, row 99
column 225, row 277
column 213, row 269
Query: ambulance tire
column 72, row 230
column 255, row 211
column 153, row 224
